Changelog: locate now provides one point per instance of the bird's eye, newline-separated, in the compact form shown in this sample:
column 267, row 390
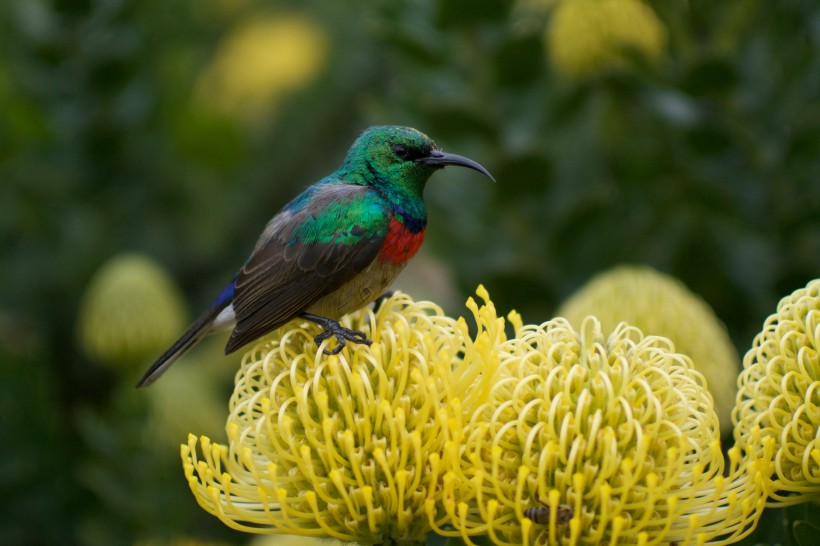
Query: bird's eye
column 400, row 151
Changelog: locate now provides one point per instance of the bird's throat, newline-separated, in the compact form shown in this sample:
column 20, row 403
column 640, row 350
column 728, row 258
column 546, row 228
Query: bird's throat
column 401, row 243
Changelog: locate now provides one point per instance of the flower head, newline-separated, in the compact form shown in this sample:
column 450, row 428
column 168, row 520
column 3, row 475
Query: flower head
column 131, row 310
column 593, row 439
column 779, row 395
column 661, row 305
column 552, row 436
column 260, row 62
column 588, row 36
column 350, row 446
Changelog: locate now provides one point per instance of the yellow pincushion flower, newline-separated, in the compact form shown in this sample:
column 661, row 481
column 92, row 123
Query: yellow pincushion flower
column 616, row 436
column 588, row 36
column 779, row 395
column 551, row 437
column 658, row 304
column 131, row 310
column 260, row 62
column 349, row 446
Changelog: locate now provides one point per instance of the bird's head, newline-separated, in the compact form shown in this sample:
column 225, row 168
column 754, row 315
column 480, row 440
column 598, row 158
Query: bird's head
column 401, row 158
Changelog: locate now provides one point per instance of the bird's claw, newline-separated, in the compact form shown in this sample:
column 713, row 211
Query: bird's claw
column 343, row 335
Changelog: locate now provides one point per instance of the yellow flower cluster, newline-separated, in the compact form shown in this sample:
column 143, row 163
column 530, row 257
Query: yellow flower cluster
column 589, row 439
column 260, row 62
column 552, row 436
column 349, row 446
column 589, row 36
column 131, row 310
column 779, row 395
column 660, row 305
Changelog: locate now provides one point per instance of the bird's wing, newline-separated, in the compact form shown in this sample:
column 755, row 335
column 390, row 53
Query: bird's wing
column 317, row 243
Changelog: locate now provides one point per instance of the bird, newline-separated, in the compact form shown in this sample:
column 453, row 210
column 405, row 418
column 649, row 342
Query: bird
column 335, row 248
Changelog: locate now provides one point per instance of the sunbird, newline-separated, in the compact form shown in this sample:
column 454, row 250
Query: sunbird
column 333, row 249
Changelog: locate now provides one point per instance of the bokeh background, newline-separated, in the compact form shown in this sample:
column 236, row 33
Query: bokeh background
column 144, row 145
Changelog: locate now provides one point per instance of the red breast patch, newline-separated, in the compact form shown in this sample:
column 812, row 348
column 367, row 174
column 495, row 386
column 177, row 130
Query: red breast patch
column 400, row 244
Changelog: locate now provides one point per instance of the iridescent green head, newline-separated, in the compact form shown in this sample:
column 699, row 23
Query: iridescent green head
column 398, row 158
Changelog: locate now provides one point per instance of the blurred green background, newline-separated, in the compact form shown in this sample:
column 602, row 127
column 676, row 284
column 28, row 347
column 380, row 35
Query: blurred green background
column 682, row 135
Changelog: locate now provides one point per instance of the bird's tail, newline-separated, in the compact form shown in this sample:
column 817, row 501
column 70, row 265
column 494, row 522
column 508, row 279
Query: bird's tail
column 200, row 328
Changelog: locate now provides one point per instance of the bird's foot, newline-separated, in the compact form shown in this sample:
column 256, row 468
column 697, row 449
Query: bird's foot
column 333, row 328
column 343, row 335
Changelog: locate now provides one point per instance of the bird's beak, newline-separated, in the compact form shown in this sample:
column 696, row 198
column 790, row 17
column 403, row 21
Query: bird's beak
column 439, row 158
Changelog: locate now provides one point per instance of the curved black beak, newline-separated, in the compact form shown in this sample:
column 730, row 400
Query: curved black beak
column 441, row 159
